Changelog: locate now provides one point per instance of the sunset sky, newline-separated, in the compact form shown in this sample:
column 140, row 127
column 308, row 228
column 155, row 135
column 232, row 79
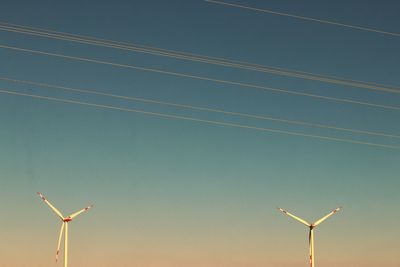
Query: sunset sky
column 170, row 192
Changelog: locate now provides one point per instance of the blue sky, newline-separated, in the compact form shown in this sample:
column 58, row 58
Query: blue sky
column 170, row 192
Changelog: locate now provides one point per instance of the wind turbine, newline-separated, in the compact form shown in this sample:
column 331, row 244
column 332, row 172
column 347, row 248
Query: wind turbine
column 311, row 226
column 64, row 227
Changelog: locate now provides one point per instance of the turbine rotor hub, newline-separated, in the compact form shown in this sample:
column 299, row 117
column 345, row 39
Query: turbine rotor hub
column 67, row 219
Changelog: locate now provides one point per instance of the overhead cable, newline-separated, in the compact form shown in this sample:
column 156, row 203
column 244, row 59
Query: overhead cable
column 187, row 118
column 196, row 58
column 185, row 106
column 306, row 18
column 184, row 75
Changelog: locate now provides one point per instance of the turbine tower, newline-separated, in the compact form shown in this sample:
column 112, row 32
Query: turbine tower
column 311, row 226
column 64, row 227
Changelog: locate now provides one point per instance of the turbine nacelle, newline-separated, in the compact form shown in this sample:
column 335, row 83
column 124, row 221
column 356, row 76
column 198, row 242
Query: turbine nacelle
column 67, row 219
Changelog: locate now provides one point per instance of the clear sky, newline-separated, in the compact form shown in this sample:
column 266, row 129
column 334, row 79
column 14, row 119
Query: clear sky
column 170, row 192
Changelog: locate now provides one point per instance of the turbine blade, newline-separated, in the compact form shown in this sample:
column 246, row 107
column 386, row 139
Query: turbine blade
column 59, row 240
column 73, row 215
column 295, row 217
column 327, row 216
column 51, row 206
column 310, row 246
column 312, row 258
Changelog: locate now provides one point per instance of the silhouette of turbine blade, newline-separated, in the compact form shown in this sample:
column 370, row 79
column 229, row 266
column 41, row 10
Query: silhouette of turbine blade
column 73, row 215
column 59, row 240
column 327, row 216
column 51, row 206
column 295, row 217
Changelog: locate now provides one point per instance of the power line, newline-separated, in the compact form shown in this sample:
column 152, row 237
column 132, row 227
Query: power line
column 306, row 18
column 164, row 115
column 195, row 57
column 185, row 106
column 178, row 74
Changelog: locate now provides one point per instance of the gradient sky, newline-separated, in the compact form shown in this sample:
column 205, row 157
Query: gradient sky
column 177, row 193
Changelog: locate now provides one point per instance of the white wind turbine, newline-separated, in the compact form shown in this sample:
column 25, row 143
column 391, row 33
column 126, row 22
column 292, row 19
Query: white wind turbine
column 64, row 227
column 311, row 226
